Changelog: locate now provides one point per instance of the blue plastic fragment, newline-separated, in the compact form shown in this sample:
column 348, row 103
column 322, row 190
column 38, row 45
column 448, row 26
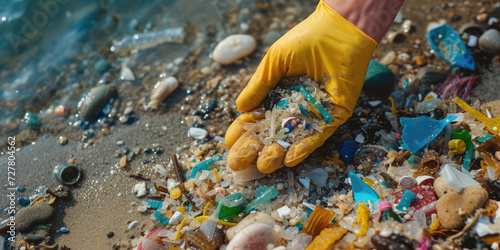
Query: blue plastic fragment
column 448, row 45
column 155, row 204
column 282, row 103
column 265, row 196
column 24, row 201
column 406, row 200
column 328, row 118
column 162, row 219
column 303, row 110
column 289, row 128
column 300, row 225
column 204, row 165
column 419, row 131
column 361, row 190
column 385, row 184
column 307, row 126
column 347, row 149
column 484, row 138
column 64, row 230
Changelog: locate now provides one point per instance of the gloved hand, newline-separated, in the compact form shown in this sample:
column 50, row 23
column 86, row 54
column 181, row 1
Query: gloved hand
column 330, row 50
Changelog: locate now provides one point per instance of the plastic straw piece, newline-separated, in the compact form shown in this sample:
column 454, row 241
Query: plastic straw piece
column 178, row 233
column 225, row 223
column 204, row 165
column 328, row 118
column 266, row 196
column 155, row 204
column 303, row 110
column 205, row 209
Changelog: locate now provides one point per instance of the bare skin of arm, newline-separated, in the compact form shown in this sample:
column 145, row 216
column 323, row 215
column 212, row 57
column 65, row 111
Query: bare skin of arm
column 373, row 17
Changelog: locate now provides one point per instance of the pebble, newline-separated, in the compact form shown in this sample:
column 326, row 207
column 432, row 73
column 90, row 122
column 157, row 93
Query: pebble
column 133, row 224
column 453, row 208
column 234, row 47
column 63, row 140
column 123, row 161
column 206, row 70
column 490, row 40
column 123, row 119
column 101, row 66
column 120, row 143
column 64, row 230
column 61, row 110
column 140, row 189
column 110, row 234
column 198, row 133
column 440, row 187
column 28, row 216
column 128, row 110
column 162, row 89
column 95, row 100
column 256, row 236
column 253, row 218
column 318, row 176
column 271, row 37
column 388, row 58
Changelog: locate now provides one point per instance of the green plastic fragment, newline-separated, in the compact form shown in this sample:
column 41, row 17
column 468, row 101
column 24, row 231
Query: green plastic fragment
column 328, row 118
column 162, row 219
column 385, row 184
column 204, row 165
column 303, row 110
column 282, row 103
column 155, row 204
column 42, row 227
column 466, row 137
column 31, row 119
column 231, row 205
column 265, row 196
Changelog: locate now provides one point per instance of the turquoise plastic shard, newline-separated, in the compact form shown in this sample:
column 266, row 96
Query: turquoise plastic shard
column 156, row 204
column 162, row 219
column 448, row 45
column 282, row 103
column 419, row 131
column 328, row 118
column 465, row 136
column 265, row 196
column 406, row 200
column 484, row 138
column 303, row 110
column 361, row 190
column 204, row 165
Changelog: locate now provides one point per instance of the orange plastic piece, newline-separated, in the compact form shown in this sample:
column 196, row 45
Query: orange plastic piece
column 488, row 151
column 319, row 219
column 327, row 237
column 362, row 219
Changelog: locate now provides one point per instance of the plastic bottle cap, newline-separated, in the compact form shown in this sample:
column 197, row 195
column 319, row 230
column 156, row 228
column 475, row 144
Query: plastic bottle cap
column 384, row 205
column 175, row 193
column 425, row 179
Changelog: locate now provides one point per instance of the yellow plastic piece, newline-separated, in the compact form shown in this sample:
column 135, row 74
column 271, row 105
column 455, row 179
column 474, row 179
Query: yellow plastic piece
column 225, row 223
column 457, row 146
column 394, row 111
column 342, row 206
column 368, row 181
column 327, row 237
column 435, row 225
column 327, row 48
column 299, row 221
column 182, row 209
column 178, row 233
column 314, row 110
column 362, row 219
column 173, row 248
column 205, row 209
column 217, row 177
column 493, row 124
column 319, row 219
column 175, row 193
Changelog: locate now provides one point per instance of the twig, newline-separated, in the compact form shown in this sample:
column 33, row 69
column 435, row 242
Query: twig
column 468, row 226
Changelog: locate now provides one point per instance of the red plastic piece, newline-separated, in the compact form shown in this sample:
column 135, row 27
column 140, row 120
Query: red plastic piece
column 425, row 194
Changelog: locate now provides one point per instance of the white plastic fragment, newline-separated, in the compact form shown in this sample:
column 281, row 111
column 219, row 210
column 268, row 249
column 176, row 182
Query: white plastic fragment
column 198, row 133
column 126, row 74
column 374, row 103
column 484, row 226
column 284, row 211
column 176, row 217
column 305, row 181
column 284, row 144
column 140, row 189
column 456, row 179
column 360, row 138
column 133, row 224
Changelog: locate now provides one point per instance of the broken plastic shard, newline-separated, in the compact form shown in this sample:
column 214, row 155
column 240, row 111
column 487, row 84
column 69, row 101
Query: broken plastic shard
column 162, row 219
column 493, row 124
column 305, row 181
column 419, row 131
column 406, row 200
column 328, row 118
column 208, row 226
column 232, row 200
column 448, row 45
column 319, row 219
column 282, row 103
column 204, row 165
column 347, row 149
column 155, row 204
column 284, row 144
column 361, row 190
column 265, row 196
column 318, row 176
column 456, row 179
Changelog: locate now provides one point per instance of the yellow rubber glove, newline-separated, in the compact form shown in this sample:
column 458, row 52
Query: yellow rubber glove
column 327, row 48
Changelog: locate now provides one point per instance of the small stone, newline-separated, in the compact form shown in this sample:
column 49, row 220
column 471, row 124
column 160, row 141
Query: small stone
column 271, row 37
column 105, row 131
column 454, row 208
column 123, row 161
column 388, row 58
column 61, row 110
column 110, row 234
column 123, row 119
column 63, row 140
column 280, row 186
column 132, row 224
column 440, row 187
column 64, row 230
column 120, row 143
column 28, row 216
column 198, row 133
column 101, row 66
column 429, row 75
column 140, row 189
column 128, row 110
column 253, row 218
column 490, row 40
column 420, row 60
column 234, row 47
column 206, row 70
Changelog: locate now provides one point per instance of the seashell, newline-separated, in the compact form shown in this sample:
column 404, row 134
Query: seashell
column 253, row 218
column 396, row 36
column 95, row 100
column 233, row 48
column 256, row 236
column 61, row 110
column 198, row 240
column 198, row 133
column 162, row 89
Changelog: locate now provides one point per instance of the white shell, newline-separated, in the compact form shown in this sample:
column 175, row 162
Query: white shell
column 176, row 218
column 133, row 224
column 198, row 133
column 256, row 236
column 233, row 48
column 251, row 219
column 140, row 189
column 162, row 89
